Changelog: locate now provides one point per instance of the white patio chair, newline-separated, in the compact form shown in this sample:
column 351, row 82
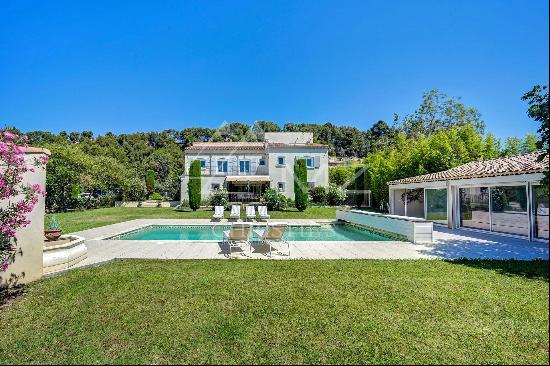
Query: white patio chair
column 262, row 213
column 250, row 212
column 273, row 234
column 237, row 237
column 235, row 212
column 218, row 213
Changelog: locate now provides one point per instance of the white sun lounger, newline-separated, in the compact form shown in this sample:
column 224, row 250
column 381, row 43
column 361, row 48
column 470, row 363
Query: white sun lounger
column 273, row 234
column 237, row 237
column 250, row 212
column 218, row 213
column 262, row 213
column 235, row 212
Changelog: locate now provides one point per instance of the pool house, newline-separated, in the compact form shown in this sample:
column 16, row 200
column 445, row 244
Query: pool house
column 502, row 195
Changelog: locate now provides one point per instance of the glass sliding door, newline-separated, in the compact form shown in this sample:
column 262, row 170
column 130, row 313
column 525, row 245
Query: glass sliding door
column 474, row 208
column 436, row 205
column 540, row 208
column 509, row 210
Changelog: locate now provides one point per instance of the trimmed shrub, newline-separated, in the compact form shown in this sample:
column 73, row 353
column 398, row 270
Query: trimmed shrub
column 219, row 197
column 275, row 200
column 194, row 185
column 336, row 195
column 156, row 196
column 300, row 184
column 318, row 195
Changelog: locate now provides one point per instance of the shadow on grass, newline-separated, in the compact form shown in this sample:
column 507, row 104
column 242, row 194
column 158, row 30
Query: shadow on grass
column 9, row 295
column 535, row 269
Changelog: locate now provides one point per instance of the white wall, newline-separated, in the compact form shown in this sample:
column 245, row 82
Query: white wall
column 289, row 137
column 30, row 240
column 286, row 174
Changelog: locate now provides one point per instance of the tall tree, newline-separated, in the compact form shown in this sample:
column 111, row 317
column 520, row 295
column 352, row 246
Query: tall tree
column 537, row 98
column 300, row 184
column 512, row 146
column 439, row 112
column 150, row 178
column 194, row 185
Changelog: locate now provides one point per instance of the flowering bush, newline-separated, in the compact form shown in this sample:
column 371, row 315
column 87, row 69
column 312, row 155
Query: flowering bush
column 220, row 197
column 18, row 199
column 336, row 195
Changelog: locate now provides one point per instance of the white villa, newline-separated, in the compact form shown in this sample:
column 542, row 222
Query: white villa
column 501, row 195
column 247, row 169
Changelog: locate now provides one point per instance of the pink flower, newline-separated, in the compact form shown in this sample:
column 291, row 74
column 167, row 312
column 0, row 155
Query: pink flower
column 9, row 135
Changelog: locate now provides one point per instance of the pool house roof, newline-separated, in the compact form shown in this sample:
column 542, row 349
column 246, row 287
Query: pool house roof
column 513, row 165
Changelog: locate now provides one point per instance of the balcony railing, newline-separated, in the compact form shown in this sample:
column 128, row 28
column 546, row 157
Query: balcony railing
column 255, row 169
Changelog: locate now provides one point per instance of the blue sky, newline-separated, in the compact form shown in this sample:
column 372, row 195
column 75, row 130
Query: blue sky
column 140, row 66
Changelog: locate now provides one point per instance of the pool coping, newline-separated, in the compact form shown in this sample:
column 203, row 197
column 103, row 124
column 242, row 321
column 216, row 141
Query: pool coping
column 448, row 245
column 317, row 223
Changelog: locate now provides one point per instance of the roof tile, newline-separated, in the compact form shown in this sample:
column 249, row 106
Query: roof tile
column 513, row 165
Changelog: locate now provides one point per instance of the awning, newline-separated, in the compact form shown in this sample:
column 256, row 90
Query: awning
column 248, row 178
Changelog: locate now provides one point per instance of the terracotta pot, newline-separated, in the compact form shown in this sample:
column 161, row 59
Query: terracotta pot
column 52, row 235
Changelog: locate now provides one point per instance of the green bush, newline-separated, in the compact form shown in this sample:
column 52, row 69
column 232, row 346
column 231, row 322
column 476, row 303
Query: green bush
column 194, row 185
column 300, row 184
column 340, row 175
column 134, row 190
column 156, row 196
column 336, row 195
column 318, row 195
column 219, row 197
column 275, row 200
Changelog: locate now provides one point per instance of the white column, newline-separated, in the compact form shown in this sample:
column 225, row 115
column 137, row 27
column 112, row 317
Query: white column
column 406, row 201
column 390, row 201
column 450, row 206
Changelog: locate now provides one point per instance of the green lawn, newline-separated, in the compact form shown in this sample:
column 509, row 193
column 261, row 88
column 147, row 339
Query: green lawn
column 82, row 220
column 283, row 312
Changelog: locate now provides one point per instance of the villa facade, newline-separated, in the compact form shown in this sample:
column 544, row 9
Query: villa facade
column 247, row 169
column 503, row 195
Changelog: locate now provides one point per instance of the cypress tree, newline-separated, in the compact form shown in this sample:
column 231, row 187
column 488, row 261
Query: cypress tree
column 300, row 184
column 194, row 185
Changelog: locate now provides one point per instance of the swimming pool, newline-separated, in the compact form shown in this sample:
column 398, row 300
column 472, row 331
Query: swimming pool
column 339, row 232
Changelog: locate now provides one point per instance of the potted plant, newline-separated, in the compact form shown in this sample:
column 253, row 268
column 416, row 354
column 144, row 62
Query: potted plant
column 54, row 229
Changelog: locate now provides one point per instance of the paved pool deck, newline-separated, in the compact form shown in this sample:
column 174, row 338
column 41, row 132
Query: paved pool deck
column 448, row 244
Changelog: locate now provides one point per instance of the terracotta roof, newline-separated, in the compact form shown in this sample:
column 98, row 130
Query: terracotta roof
column 205, row 146
column 513, row 165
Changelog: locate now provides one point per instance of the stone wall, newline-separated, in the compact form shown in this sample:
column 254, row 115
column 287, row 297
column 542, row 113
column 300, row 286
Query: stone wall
column 30, row 240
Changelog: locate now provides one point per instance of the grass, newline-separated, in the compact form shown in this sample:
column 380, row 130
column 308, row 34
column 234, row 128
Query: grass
column 82, row 220
column 283, row 312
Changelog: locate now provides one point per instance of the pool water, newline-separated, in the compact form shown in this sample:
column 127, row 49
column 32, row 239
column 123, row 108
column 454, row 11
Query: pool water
column 215, row 232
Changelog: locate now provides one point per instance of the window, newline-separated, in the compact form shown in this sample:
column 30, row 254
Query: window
column 262, row 162
column 540, row 203
column 244, row 166
column 215, row 186
column 203, row 163
column 222, row 166
column 474, row 208
column 509, row 210
column 281, row 186
column 281, row 161
column 436, row 204
column 309, row 163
